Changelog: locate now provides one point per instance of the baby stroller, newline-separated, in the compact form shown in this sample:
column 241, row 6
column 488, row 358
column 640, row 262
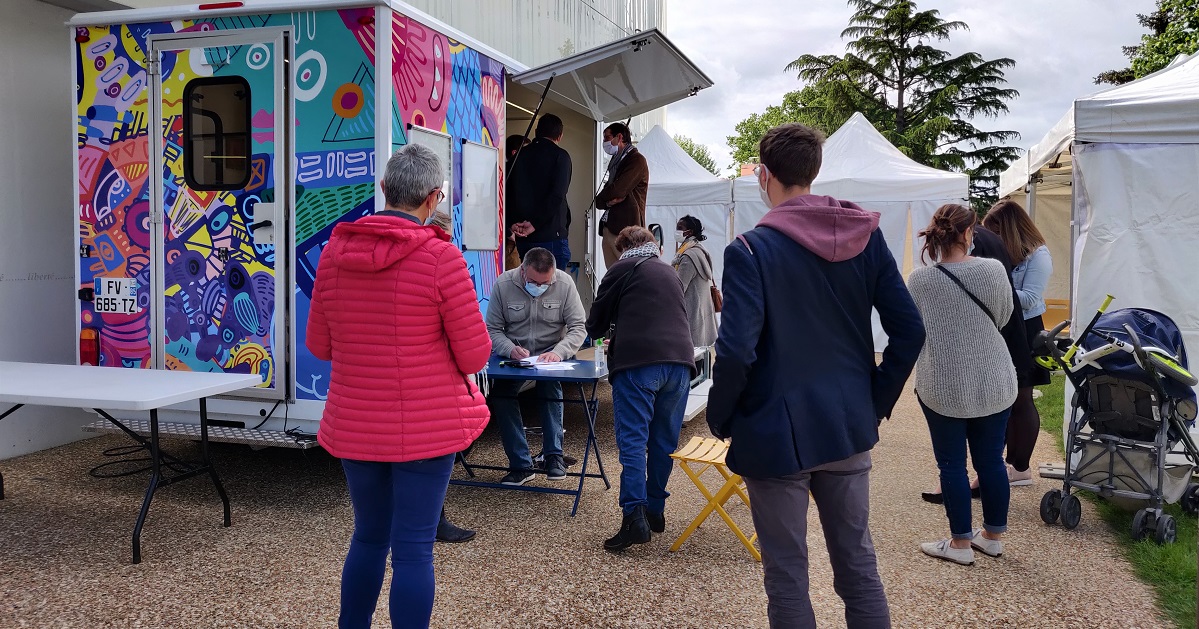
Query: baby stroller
column 1133, row 406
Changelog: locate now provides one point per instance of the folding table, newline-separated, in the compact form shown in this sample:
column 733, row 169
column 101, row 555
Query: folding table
column 582, row 373
column 105, row 389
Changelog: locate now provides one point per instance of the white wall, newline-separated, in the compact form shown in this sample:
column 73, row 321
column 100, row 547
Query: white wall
column 37, row 217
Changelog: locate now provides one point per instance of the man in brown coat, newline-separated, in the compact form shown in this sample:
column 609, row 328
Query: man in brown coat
column 623, row 197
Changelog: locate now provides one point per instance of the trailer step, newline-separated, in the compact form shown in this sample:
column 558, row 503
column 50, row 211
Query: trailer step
column 223, row 434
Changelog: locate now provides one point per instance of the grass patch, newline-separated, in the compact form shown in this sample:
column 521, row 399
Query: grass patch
column 1171, row 569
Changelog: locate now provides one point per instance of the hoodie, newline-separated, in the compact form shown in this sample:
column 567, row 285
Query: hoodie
column 832, row 229
column 394, row 309
column 795, row 383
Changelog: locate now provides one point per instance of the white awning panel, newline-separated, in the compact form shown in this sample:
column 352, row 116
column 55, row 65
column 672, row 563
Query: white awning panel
column 625, row 78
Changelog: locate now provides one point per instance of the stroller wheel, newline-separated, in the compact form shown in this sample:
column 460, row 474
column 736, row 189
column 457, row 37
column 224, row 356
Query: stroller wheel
column 1165, row 532
column 1143, row 524
column 1190, row 500
column 1071, row 511
column 1051, row 506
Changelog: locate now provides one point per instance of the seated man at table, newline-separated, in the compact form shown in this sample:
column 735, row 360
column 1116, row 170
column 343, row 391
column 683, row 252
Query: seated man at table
column 534, row 310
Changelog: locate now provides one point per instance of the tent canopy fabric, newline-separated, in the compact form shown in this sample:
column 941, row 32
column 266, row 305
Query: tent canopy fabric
column 861, row 165
column 675, row 178
column 1156, row 109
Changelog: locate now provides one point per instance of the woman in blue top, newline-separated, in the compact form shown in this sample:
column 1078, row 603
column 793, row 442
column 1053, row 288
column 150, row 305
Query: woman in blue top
column 1027, row 249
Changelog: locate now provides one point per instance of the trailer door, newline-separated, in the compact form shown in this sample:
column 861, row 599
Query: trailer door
column 221, row 212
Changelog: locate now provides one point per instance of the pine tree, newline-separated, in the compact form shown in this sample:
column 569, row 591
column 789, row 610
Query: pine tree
column 924, row 100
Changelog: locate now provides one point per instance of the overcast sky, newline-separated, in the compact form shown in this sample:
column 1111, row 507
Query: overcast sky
column 1059, row 46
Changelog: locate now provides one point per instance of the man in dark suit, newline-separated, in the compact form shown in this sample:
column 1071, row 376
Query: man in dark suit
column 623, row 197
column 538, row 180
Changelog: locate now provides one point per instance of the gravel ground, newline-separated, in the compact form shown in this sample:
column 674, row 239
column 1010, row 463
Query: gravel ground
column 64, row 549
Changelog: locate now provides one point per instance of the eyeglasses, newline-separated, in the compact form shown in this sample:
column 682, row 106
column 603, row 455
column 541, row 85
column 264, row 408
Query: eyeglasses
column 440, row 195
column 526, row 277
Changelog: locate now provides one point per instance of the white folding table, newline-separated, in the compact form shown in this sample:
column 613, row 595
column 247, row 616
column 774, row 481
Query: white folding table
column 105, row 389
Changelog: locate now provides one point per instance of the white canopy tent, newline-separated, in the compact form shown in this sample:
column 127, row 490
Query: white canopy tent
column 1136, row 201
column 679, row 186
column 861, row 166
column 1119, row 177
column 1134, row 138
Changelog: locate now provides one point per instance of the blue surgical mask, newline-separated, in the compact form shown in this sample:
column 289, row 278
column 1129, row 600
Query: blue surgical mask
column 535, row 290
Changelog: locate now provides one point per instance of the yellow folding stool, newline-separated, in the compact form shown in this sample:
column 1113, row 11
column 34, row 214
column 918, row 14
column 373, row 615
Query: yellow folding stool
column 696, row 458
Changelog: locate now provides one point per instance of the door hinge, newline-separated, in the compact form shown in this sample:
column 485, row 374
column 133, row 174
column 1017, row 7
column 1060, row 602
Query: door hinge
column 152, row 66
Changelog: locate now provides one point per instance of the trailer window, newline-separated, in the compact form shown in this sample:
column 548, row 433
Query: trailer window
column 216, row 133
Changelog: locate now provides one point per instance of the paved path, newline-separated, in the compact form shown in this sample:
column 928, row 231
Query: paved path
column 64, row 552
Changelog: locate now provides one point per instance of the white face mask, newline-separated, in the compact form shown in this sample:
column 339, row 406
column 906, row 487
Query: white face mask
column 680, row 236
column 610, row 148
column 765, row 197
column 762, row 188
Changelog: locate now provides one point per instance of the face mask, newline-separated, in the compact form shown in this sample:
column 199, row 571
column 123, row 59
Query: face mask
column 610, row 148
column 765, row 197
column 680, row 236
column 535, row 290
column 970, row 247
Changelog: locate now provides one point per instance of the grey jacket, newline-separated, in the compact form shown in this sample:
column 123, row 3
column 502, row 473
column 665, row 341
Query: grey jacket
column 555, row 321
column 695, row 271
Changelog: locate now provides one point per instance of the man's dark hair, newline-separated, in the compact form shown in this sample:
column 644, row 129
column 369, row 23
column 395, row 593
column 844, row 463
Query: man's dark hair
column 792, row 153
column 621, row 129
column 539, row 259
column 512, row 145
column 549, row 126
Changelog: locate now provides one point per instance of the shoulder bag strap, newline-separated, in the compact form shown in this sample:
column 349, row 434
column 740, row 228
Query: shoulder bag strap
column 969, row 294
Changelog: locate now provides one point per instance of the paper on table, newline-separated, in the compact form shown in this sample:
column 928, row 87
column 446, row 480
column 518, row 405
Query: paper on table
column 554, row 366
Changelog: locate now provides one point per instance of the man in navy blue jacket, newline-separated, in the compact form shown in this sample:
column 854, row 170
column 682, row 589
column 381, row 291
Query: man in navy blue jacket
column 796, row 385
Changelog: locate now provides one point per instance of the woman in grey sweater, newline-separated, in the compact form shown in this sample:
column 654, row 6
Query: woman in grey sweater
column 694, row 266
column 965, row 379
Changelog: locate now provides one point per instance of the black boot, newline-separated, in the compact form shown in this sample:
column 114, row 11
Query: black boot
column 447, row 532
column 657, row 521
column 634, row 529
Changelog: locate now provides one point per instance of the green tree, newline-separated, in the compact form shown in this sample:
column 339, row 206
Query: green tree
column 924, row 100
column 698, row 152
column 813, row 106
column 1174, row 30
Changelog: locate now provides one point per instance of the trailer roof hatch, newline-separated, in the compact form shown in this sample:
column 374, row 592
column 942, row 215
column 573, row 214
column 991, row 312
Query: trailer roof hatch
column 625, row 78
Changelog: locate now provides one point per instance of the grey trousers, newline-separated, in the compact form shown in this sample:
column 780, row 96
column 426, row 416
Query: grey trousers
column 780, row 510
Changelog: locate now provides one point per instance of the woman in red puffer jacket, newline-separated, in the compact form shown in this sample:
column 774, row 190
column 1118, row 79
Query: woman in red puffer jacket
column 394, row 309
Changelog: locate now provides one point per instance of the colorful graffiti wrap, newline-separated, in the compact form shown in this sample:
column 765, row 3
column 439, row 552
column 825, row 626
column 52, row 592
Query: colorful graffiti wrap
column 221, row 312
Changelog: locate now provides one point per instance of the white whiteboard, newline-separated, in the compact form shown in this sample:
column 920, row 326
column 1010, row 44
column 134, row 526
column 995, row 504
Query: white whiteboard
column 443, row 145
column 480, row 197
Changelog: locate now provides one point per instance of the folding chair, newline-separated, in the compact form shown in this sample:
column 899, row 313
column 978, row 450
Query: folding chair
column 696, row 458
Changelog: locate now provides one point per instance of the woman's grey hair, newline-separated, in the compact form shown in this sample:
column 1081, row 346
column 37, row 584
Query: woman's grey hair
column 412, row 173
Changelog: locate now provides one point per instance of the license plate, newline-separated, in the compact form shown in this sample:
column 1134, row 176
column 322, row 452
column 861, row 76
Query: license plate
column 116, row 295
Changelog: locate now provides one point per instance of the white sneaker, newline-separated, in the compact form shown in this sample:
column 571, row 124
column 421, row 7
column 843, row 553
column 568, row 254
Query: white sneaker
column 942, row 550
column 989, row 547
column 1018, row 479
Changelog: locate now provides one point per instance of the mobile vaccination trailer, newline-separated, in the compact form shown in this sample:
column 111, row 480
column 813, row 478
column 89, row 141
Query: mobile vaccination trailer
column 217, row 146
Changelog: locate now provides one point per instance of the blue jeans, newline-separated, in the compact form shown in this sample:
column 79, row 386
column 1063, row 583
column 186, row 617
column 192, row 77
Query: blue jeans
column 505, row 411
column 560, row 249
column 396, row 508
column 648, row 403
column 985, row 436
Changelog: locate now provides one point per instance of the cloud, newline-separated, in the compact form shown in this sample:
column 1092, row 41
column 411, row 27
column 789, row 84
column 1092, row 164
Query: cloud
column 1058, row 47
